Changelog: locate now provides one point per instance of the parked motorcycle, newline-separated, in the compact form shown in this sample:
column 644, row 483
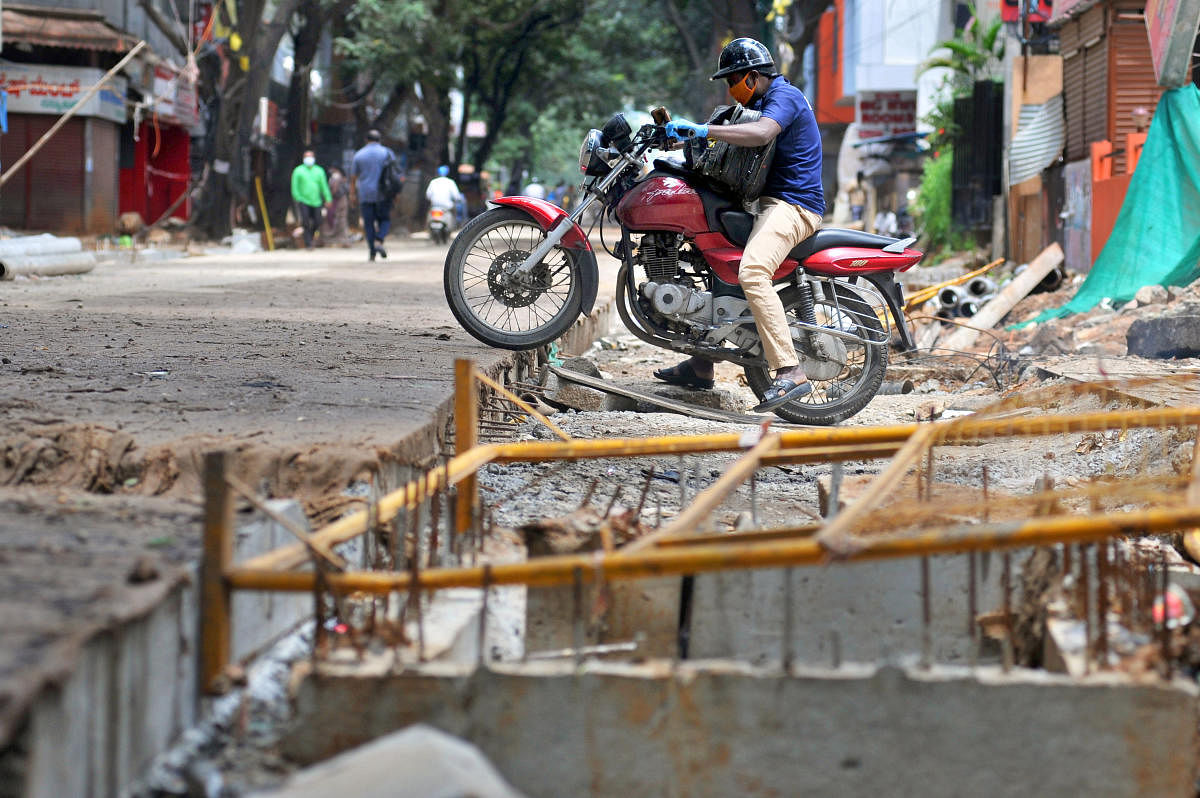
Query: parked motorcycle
column 439, row 222
column 521, row 273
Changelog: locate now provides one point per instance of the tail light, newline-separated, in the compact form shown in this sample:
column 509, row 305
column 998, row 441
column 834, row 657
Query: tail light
column 436, row 214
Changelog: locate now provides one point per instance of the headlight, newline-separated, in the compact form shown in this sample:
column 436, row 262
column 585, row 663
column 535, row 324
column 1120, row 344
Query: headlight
column 588, row 157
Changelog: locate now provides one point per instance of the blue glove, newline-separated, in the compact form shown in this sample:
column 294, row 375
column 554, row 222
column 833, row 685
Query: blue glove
column 683, row 130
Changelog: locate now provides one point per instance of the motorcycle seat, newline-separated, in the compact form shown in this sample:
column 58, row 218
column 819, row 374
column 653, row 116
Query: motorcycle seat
column 830, row 237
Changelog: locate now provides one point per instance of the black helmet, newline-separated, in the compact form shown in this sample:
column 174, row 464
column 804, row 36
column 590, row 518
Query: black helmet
column 741, row 55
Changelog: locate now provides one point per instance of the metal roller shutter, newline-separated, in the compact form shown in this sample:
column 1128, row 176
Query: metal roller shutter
column 102, row 213
column 1076, row 147
column 56, row 177
column 1092, row 25
column 13, row 145
column 1095, row 91
column 1133, row 83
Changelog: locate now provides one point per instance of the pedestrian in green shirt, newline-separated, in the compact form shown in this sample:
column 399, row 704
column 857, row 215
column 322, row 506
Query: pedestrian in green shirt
column 310, row 190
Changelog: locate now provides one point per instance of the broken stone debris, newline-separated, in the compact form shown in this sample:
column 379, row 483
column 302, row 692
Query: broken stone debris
column 1172, row 336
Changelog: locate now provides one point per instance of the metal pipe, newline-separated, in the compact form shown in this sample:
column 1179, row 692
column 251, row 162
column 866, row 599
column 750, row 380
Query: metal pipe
column 559, row 570
column 981, row 287
column 744, row 536
column 951, row 297
column 925, row 294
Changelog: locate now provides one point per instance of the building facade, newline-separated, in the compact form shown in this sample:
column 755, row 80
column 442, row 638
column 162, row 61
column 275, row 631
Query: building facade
column 126, row 149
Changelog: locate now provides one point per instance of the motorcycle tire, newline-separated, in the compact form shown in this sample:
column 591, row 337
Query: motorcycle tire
column 493, row 308
column 834, row 400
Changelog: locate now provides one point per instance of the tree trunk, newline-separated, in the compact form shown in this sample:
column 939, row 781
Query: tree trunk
column 295, row 120
column 231, row 180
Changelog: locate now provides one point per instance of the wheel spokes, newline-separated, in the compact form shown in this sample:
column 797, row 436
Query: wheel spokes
column 504, row 301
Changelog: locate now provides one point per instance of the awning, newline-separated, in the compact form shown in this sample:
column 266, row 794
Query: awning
column 63, row 27
column 1065, row 10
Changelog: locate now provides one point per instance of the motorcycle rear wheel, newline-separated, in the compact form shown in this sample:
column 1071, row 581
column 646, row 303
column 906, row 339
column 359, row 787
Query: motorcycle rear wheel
column 494, row 306
column 836, row 399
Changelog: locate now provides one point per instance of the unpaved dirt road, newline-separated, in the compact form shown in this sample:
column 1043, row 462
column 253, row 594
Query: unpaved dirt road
column 311, row 362
column 313, row 368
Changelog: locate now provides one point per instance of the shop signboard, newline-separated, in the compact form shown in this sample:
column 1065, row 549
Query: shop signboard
column 45, row 89
column 886, row 113
column 175, row 99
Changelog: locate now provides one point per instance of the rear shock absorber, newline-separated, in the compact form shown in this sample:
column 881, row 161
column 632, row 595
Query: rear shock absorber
column 808, row 303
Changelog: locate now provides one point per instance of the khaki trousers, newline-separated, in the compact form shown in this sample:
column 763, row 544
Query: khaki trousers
column 778, row 228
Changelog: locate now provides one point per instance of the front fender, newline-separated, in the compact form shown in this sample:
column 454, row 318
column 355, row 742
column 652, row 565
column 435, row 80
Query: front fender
column 547, row 215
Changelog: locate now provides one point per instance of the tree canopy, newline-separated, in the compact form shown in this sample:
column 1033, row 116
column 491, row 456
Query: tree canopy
column 532, row 71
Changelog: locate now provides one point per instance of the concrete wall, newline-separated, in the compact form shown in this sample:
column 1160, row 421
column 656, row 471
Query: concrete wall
column 875, row 609
column 713, row 729
column 131, row 690
column 259, row 618
column 645, row 610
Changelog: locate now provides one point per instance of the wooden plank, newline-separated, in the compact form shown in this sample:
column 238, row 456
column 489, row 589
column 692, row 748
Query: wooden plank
column 661, row 401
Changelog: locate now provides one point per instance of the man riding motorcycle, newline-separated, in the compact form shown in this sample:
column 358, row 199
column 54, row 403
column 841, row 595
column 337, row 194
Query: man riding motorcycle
column 444, row 196
column 792, row 204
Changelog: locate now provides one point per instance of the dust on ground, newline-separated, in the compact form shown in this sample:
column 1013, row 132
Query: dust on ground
column 314, row 369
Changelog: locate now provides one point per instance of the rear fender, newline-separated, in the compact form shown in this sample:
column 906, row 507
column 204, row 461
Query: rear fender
column 547, row 215
column 886, row 284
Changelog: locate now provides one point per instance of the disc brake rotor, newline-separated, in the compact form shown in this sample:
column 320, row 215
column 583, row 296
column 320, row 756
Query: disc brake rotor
column 512, row 289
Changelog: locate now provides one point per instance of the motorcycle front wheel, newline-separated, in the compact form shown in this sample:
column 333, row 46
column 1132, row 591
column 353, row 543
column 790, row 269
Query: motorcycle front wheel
column 841, row 387
column 495, row 303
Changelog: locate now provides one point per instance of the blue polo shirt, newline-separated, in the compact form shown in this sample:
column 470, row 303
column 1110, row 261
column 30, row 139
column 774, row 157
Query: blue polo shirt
column 795, row 175
column 366, row 168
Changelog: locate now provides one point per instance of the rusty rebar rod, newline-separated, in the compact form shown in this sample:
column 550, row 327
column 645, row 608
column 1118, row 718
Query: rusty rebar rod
column 558, row 570
column 521, row 403
column 464, row 465
column 466, row 438
column 215, row 599
column 707, row 500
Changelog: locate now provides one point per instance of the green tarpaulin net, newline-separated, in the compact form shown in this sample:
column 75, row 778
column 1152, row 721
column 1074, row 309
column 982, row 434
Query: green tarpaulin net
column 1156, row 240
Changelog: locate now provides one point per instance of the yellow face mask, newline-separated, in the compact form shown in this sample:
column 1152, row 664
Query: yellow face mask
column 743, row 90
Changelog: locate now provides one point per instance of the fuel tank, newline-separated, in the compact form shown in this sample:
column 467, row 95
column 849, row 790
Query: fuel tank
column 663, row 202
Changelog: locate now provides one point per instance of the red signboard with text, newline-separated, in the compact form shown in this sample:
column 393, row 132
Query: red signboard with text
column 886, row 113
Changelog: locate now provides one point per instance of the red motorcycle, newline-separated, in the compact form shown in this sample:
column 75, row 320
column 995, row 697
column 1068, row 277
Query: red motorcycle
column 522, row 272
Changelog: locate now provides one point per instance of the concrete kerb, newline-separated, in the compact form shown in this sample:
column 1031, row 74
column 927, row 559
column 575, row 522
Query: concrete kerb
column 722, row 728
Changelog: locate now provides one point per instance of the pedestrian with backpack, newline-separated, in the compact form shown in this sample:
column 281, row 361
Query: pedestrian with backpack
column 374, row 180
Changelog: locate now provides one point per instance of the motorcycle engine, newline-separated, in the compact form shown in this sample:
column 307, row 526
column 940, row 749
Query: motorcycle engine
column 671, row 294
column 659, row 255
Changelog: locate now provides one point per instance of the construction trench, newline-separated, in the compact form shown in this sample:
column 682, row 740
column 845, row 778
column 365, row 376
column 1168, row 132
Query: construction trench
column 730, row 609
